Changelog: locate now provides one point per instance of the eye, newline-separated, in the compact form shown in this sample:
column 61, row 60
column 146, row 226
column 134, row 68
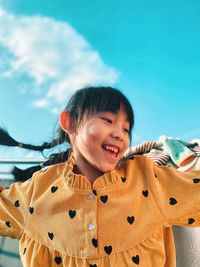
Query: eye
column 127, row 130
column 107, row 120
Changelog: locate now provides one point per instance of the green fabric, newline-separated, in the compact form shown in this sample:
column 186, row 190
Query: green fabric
column 176, row 149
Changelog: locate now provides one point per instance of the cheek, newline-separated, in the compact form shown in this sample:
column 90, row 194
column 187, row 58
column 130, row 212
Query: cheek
column 89, row 136
column 93, row 132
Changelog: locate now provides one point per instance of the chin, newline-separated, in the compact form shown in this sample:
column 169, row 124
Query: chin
column 107, row 168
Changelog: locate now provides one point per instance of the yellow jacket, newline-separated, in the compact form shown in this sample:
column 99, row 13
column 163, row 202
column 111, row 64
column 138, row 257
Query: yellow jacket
column 123, row 219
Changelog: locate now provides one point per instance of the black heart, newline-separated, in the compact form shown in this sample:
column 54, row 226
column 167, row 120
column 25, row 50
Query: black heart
column 191, row 221
column 72, row 214
column 17, row 203
column 136, row 259
column 123, row 179
column 130, row 219
column 8, row 224
column 58, row 260
column 196, row 180
column 54, row 189
column 51, row 235
column 24, row 251
column 31, row 210
column 93, row 265
column 145, row 193
column 172, row 201
column 104, row 198
column 95, row 242
column 95, row 192
column 108, row 249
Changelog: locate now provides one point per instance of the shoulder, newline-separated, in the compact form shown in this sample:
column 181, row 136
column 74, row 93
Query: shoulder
column 135, row 164
column 136, row 169
column 136, row 161
column 47, row 176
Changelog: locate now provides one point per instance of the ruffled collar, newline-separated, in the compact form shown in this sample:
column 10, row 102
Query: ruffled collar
column 79, row 181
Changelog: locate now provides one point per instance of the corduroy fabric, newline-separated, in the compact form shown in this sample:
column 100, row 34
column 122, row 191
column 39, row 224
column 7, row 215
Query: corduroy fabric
column 123, row 219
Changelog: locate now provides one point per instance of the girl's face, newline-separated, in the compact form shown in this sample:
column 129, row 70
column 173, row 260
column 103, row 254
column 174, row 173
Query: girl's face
column 100, row 141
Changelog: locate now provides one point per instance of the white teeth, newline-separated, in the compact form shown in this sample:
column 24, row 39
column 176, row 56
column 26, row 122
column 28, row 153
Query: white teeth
column 111, row 148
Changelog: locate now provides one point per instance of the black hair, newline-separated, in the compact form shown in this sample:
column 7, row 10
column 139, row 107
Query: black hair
column 98, row 99
column 91, row 100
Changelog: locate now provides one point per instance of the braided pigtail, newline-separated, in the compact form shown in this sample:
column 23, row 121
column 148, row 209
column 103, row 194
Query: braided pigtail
column 25, row 174
column 7, row 140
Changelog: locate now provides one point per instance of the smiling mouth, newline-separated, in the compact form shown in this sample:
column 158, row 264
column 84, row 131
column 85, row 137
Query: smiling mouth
column 111, row 150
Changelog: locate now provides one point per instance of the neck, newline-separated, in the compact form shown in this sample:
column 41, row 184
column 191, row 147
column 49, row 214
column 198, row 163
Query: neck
column 84, row 168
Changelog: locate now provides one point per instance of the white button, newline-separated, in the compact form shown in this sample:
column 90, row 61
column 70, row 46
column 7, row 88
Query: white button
column 90, row 197
column 91, row 227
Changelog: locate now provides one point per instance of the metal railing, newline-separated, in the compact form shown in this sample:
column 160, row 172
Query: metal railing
column 21, row 161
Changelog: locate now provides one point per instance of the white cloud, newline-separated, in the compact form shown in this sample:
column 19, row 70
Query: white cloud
column 51, row 53
column 42, row 103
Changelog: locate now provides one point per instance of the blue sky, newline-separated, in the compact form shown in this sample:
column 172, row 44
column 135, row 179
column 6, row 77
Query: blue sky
column 148, row 49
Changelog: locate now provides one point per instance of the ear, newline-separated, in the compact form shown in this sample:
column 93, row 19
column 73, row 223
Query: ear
column 66, row 122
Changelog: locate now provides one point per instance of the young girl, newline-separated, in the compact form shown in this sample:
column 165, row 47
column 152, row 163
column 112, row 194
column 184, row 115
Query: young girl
column 94, row 210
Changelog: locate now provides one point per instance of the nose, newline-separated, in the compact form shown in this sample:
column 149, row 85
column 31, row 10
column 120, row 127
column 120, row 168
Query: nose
column 117, row 134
